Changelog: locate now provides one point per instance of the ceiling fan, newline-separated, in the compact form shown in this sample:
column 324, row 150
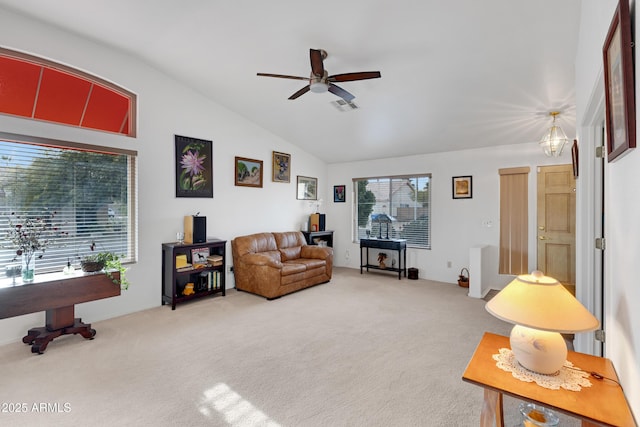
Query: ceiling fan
column 320, row 80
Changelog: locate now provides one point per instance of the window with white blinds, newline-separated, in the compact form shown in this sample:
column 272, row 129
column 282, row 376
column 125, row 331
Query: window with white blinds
column 84, row 194
column 395, row 207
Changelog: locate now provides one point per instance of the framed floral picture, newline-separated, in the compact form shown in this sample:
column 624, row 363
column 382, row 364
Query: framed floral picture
column 339, row 194
column 248, row 172
column 307, row 188
column 281, row 166
column 194, row 167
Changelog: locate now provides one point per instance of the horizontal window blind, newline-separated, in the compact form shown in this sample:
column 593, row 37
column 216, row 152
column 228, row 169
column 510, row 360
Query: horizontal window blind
column 83, row 196
column 394, row 207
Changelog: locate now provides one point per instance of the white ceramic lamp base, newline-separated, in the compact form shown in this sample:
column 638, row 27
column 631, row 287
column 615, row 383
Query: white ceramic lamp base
column 538, row 351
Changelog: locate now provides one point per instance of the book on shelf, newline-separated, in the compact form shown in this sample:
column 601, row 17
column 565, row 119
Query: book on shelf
column 213, row 280
column 181, row 261
column 187, row 267
column 214, row 259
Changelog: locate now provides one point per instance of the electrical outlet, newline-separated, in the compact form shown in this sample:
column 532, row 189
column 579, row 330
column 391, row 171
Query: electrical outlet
column 230, row 269
column 346, row 255
column 448, row 264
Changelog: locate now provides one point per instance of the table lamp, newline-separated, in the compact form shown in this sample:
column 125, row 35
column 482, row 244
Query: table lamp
column 540, row 308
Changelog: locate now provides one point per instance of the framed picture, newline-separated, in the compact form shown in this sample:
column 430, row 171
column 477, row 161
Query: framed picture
column 193, row 164
column 619, row 84
column 462, row 187
column 307, row 188
column 574, row 157
column 339, row 194
column 281, row 166
column 199, row 256
column 248, row 172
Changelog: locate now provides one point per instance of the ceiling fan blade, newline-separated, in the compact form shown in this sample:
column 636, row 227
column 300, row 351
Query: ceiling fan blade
column 337, row 90
column 300, row 92
column 349, row 77
column 282, row 76
column 317, row 67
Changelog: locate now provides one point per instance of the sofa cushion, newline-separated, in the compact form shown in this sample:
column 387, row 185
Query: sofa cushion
column 254, row 243
column 309, row 262
column 289, row 268
column 287, row 254
column 289, row 239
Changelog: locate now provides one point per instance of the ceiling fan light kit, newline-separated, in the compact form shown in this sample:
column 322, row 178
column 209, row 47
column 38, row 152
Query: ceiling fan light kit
column 318, row 87
column 320, row 81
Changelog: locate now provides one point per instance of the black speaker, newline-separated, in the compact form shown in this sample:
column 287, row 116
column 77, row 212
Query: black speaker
column 195, row 229
column 322, row 222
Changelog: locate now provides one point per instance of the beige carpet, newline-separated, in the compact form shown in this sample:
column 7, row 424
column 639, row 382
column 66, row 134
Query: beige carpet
column 363, row 350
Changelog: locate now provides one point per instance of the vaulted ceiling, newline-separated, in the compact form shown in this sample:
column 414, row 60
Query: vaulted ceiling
column 455, row 75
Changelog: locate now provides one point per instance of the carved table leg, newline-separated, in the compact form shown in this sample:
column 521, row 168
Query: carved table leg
column 81, row 328
column 31, row 335
column 39, row 338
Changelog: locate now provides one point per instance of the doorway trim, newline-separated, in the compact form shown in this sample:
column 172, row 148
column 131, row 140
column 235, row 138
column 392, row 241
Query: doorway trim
column 588, row 209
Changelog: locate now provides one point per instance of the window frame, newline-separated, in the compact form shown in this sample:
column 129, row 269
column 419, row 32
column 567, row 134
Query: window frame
column 132, row 196
column 356, row 235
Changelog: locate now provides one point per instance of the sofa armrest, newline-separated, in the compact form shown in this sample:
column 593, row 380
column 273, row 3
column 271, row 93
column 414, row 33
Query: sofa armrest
column 261, row 259
column 313, row 251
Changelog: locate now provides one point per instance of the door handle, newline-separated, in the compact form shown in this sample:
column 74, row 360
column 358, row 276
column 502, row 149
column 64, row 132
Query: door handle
column 543, row 238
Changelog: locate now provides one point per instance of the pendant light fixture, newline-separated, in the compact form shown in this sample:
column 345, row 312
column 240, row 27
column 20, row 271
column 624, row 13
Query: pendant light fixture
column 555, row 139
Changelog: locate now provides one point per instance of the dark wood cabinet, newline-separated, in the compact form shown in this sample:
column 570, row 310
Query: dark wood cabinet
column 202, row 276
column 315, row 237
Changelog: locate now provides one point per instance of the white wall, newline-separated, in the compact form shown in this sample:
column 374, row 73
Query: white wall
column 165, row 108
column 457, row 225
column 622, row 207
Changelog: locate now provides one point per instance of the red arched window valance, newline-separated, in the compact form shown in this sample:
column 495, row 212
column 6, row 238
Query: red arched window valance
column 42, row 90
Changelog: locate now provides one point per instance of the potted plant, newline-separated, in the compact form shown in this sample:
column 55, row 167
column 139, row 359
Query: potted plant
column 28, row 236
column 109, row 262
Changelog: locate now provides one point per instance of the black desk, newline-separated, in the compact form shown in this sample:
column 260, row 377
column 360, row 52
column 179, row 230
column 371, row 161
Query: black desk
column 399, row 245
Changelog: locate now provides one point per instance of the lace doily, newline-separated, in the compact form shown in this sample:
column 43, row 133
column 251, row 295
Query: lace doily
column 569, row 377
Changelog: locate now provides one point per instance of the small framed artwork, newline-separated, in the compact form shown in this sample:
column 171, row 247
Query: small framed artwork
column 193, row 165
column 307, row 188
column 574, row 158
column 620, row 113
column 248, row 172
column 462, row 187
column 199, row 256
column 339, row 193
column 281, row 165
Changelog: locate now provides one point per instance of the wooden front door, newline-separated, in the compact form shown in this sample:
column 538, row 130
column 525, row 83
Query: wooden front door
column 557, row 223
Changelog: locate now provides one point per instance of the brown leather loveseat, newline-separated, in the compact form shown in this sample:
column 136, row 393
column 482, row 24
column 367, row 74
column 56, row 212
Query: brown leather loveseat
column 276, row 264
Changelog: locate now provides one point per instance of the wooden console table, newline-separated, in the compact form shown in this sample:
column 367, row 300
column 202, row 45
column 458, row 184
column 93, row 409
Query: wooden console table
column 56, row 294
column 602, row 404
column 399, row 245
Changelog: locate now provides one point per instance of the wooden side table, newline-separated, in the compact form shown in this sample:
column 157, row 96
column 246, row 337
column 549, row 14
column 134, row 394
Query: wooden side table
column 602, row 404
